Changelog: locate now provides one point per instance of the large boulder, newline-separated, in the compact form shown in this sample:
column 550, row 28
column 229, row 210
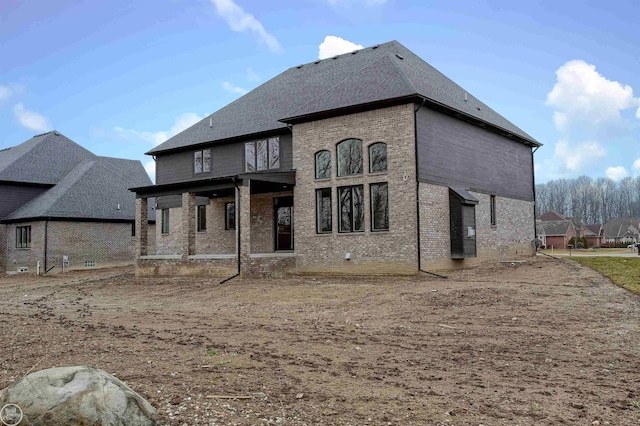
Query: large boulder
column 77, row 396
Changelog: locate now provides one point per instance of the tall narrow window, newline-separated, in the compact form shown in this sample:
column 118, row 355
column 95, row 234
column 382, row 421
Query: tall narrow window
column 492, row 208
column 202, row 218
column 202, row 161
column 23, row 237
column 165, row 221
column 230, row 216
column 323, row 211
column 133, row 229
column 262, row 155
column 351, row 209
column 378, row 157
column 323, row 165
column 379, row 207
column 349, row 157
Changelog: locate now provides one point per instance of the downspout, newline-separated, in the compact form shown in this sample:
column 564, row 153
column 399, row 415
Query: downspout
column 415, row 146
column 533, row 181
column 46, row 226
column 238, row 230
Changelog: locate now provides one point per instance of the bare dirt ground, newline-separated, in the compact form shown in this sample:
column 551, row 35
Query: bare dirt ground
column 541, row 343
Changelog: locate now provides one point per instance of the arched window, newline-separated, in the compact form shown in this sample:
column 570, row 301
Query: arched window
column 323, row 164
column 349, row 157
column 378, row 157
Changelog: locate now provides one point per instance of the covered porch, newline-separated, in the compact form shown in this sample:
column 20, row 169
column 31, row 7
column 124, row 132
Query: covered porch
column 234, row 225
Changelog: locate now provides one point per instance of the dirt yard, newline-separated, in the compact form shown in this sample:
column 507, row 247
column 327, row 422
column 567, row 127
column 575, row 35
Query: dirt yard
column 540, row 343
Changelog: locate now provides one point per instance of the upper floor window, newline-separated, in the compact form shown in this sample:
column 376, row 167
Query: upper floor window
column 202, row 161
column 349, row 157
column 323, row 164
column 262, row 155
column 23, row 237
column 378, row 157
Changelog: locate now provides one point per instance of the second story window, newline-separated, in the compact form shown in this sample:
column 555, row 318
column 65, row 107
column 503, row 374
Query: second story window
column 349, row 157
column 202, row 161
column 378, row 157
column 323, row 165
column 262, row 155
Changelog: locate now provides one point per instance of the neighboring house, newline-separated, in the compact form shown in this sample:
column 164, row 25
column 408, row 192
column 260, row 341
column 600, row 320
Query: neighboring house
column 555, row 233
column 58, row 199
column 595, row 235
column 623, row 230
column 367, row 162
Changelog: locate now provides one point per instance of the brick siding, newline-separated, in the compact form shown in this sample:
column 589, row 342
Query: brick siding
column 393, row 251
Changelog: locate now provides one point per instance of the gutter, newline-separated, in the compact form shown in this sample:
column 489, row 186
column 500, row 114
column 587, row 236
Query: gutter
column 237, row 274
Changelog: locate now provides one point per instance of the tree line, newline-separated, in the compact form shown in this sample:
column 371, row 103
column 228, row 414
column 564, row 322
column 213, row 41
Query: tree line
column 593, row 201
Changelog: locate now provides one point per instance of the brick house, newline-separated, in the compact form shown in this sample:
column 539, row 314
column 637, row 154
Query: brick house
column 556, row 233
column 58, row 199
column 367, row 162
column 595, row 234
column 623, row 230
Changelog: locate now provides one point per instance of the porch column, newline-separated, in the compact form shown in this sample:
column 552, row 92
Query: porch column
column 188, row 229
column 243, row 212
column 141, row 227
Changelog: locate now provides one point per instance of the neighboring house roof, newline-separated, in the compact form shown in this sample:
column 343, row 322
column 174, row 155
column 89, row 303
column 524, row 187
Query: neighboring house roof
column 553, row 228
column 95, row 188
column 386, row 72
column 622, row 227
column 551, row 215
column 594, row 229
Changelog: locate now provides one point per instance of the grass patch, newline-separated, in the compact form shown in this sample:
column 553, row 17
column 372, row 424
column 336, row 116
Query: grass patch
column 623, row 271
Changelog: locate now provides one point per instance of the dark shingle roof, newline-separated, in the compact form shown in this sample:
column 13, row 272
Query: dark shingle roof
column 622, row 227
column 594, row 229
column 551, row 215
column 554, row 227
column 91, row 189
column 43, row 159
column 380, row 73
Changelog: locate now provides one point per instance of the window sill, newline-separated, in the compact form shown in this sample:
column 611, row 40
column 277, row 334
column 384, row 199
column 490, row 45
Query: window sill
column 323, row 179
column 378, row 173
column 494, row 226
column 202, row 232
column 23, row 248
column 350, row 176
column 352, row 233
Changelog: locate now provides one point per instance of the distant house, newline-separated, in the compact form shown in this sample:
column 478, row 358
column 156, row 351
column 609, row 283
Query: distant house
column 59, row 201
column 623, row 230
column 368, row 162
column 555, row 233
column 595, row 235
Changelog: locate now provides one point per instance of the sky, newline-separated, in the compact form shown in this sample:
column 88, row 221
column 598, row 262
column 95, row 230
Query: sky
column 121, row 76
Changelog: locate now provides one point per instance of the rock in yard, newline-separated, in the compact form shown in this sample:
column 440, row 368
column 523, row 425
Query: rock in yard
column 77, row 396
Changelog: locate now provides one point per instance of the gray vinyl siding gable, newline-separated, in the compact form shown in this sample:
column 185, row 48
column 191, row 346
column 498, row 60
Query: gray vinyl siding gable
column 227, row 160
column 15, row 196
column 454, row 153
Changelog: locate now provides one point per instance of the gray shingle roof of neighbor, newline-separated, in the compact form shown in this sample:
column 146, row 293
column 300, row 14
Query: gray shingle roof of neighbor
column 554, row 227
column 621, row 227
column 372, row 75
column 593, row 228
column 94, row 188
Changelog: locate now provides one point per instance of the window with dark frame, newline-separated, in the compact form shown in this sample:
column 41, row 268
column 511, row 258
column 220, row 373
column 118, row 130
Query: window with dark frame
column 351, row 209
column 379, row 194
column 133, row 229
column 230, row 215
column 23, row 236
column 202, row 161
column 165, row 221
column 324, row 223
column 202, row 218
column 492, row 208
column 378, row 157
column 323, row 164
column 262, row 155
column 349, row 157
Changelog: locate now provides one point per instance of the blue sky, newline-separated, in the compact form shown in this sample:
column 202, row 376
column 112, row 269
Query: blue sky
column 119, row 77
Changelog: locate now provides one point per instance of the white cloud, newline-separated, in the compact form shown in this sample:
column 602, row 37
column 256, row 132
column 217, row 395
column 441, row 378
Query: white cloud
column 575, row 157
column 30, row 119
column 184, row 121
column 150, row 167
column 5, row 92
column 333, row 45
column 233, row 89
column 636, row 164
column 241, row 21
column 252, row 75
column 616, row 173
column 582, row 95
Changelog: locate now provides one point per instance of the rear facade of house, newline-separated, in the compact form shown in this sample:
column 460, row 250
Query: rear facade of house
column 61, row 204
column 368, row 162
